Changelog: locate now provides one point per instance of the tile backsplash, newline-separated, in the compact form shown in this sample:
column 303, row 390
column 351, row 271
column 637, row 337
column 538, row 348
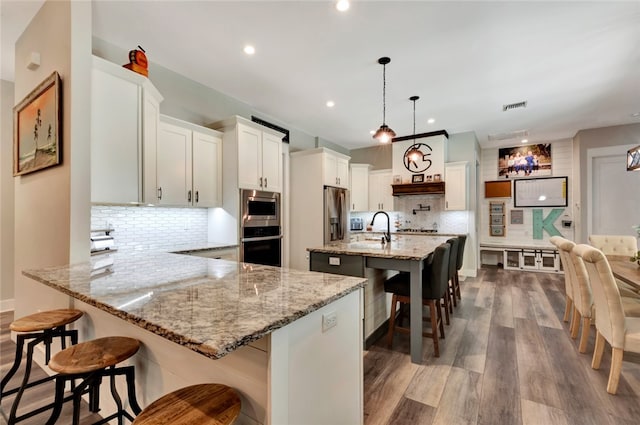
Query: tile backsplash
column 436, row 217
column 137, row 228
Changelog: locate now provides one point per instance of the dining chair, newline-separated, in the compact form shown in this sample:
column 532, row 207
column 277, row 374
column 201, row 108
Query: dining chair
column 462, row 239
column 435, row 286
column 453, row 272
column 619, row 246
column 612, row 325
column 569, row 277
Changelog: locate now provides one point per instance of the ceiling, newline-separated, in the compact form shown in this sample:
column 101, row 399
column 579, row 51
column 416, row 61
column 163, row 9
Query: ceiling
column 576, row 64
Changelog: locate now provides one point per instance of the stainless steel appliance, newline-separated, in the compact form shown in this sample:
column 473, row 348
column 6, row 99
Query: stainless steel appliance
column 260, row 228
column 357, row 223
column 335, row 214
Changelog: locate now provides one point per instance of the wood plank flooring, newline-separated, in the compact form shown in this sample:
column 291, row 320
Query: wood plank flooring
column 507, row 359
column 36, row 396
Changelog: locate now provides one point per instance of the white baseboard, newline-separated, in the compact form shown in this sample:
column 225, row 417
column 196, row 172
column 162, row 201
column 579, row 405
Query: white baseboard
column 6, row 305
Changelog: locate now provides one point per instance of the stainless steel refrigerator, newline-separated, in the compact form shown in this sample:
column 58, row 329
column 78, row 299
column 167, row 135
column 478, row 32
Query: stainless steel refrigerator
column 335, row 214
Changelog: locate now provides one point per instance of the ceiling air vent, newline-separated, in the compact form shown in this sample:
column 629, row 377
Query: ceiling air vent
column 516, row 105
column 518, row 134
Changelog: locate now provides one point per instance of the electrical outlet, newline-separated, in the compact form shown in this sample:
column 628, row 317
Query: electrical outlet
column 329, row 320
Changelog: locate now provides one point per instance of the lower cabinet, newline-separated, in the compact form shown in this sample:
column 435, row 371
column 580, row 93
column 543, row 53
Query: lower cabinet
column 532, row 259
column 347, row 265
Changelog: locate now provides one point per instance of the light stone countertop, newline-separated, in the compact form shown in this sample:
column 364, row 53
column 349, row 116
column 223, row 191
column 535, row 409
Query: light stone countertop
column 210, row 306
column 401, row 247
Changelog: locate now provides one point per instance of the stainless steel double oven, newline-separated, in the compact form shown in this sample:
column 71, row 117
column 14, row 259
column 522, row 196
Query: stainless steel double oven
column 260, row 228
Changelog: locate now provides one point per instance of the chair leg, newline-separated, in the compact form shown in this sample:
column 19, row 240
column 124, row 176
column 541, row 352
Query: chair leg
column 597, row 351
column 452, row 293
column 584, row 337
column 616, row 368
column 440, row 321
column 392, row 321
column 567, row 309
column 575, row 322
column 434, row 326
column 446, row 307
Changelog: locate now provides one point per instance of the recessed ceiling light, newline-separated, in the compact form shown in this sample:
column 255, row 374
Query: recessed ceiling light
column 330, row 104
column 342, row 5
column 431, row 120
column 636, row 114
column 524, row 140
column 249, row 49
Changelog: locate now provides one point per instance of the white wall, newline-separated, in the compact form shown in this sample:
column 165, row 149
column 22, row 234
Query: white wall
column 522, row 234
column 6, row 196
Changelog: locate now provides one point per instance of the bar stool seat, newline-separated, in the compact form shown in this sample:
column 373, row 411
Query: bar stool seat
column 91, row 361
column 36, row 328
column 203, row 404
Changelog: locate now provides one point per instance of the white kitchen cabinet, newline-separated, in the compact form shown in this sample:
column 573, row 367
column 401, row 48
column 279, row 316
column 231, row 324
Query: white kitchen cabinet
column 124, row 117
column 359, row 187
column 256, row 152
column 188, row 165
column 455, row 179
column 380, row 190
column 336, row 169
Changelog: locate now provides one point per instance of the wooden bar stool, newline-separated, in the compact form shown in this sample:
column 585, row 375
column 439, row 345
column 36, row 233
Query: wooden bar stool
column 37, row 328
column 203, row 404
column 91, row 361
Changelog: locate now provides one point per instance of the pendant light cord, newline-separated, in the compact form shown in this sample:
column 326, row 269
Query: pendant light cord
column 384, row 93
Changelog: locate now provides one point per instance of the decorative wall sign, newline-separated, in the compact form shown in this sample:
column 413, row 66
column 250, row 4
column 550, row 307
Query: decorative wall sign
column 421, row 156
column 524, row 161
column 417, row 157
column 36, row 128
column 517, row 216
column 541, row 223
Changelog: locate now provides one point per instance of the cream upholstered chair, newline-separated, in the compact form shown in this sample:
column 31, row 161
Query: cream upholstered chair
column 622, row 333
column 568, row 277
column 620, row 246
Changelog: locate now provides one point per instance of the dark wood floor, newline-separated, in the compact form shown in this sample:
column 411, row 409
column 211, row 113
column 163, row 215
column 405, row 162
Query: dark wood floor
column 507, row 359
column 36, row 396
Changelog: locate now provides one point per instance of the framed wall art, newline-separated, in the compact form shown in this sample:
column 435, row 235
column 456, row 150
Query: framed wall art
column 417, row 178
column 524, row 161
column 37, row 128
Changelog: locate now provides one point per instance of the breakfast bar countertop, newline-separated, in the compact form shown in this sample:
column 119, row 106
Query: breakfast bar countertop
column 401, row 247
column 211, row 306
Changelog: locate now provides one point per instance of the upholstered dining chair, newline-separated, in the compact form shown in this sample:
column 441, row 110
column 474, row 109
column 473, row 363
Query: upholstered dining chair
column 435, row 286
column 621, row 332
column 462, row 239
column 453, row 272
column 619, row 246
column 565, row 259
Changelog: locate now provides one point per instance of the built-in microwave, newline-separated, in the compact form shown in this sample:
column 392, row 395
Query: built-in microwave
column 260, row 208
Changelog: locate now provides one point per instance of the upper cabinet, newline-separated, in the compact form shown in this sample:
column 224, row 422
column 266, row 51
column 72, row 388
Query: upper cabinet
column 188, row 165
column 455, row 178
column 380, row 190
column 257, row 151
column 336, row 169
column 359, row 187
column 124, row 117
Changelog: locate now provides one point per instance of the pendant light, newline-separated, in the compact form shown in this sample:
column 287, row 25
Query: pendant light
column 414, row 154
column 384, row 133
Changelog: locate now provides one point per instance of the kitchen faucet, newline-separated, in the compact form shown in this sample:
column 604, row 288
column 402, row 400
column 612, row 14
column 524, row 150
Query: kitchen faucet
column 387, row 235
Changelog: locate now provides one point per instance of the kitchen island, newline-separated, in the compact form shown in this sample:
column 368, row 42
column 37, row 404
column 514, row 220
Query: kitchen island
column 366, row 258
column 262, row 330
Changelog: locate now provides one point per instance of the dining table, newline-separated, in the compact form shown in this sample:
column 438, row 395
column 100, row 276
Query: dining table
column 625, row 270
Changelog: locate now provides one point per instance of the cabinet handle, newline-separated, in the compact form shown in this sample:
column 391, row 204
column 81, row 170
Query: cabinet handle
column 265, row 182
column 354, row 207
column 197, row 197
column 159, row 193
column 260, row 181
column 189, row 196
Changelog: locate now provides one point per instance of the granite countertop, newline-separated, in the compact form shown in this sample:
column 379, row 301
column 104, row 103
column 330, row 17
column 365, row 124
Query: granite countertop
column 401, row 247
column 210, row 306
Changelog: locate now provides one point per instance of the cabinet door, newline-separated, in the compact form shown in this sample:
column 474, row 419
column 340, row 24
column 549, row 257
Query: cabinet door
column 271, row 162
column 455, row 193
column 150, row 125
column 329, row 165
column 115, row 139
column 359, row 187
column 249, row 157
column 342, row 172
column 173, row 161
column 207, row 170
column 385, row 180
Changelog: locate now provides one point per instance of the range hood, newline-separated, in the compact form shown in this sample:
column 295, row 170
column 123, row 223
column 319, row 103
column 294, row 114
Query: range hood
column 435, row 188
